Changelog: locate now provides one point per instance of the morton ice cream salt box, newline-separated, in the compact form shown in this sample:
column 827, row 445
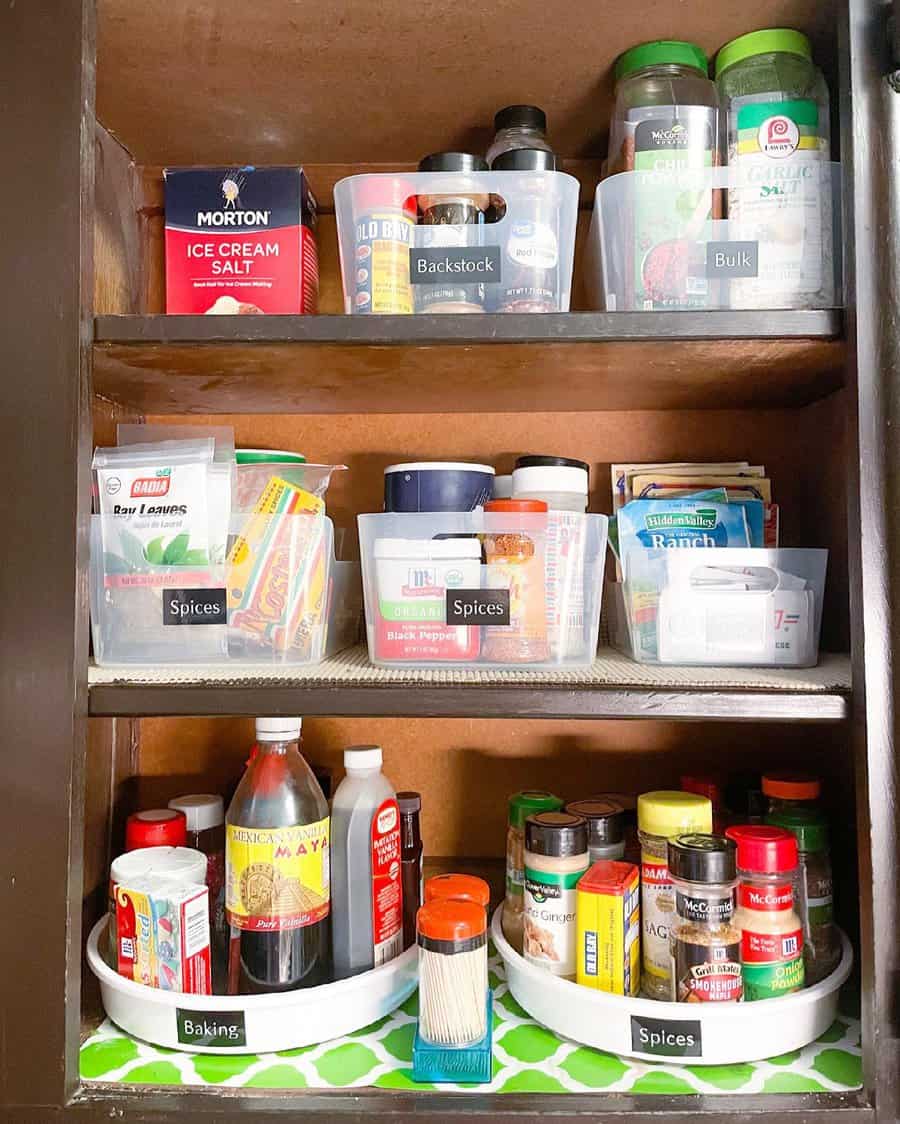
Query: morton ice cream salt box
column 240, row 240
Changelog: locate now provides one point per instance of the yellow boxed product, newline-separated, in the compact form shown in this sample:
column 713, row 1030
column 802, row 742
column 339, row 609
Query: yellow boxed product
column 608, row 918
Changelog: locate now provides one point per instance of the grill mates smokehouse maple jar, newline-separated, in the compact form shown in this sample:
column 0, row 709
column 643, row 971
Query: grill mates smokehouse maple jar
column 663, row 816
column 240, row 240
column 556, row 856
column 771, row 930
column 705, row 942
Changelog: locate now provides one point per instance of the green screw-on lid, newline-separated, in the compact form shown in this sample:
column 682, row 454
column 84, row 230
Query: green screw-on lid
column 661, row 52
column 268, row 456
column 529, row 803
column 773, row 40
column 809, row 826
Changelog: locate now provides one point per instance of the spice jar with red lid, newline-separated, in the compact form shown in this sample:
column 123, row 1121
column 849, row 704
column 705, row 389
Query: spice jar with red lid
column 703, row 784
column 157, row 827
column 791, row 790
column 514, row 552
column 771, row 929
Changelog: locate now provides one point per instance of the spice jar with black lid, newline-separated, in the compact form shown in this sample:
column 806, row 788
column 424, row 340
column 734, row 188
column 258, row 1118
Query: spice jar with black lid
column 455, row 219
column 530, row 268
column 704, row 941
column 606, row 826
column 556, row 856
column 518, row 127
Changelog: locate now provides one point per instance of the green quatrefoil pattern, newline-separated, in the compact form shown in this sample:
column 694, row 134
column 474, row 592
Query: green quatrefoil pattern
column 527, row 1059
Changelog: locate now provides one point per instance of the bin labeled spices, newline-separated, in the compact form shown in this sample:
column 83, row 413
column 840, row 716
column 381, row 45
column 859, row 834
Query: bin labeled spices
column 705, row 943
column 771, row 930
column 240, row 240
column 556, row 856
column 515, row 561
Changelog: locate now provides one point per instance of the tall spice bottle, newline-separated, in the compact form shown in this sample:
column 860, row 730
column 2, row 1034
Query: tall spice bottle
column 277, row 868
column 410, row 805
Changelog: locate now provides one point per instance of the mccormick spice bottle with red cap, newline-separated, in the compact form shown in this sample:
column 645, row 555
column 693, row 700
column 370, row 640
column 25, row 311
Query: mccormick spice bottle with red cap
column 384, row 217
column 157, row 827
column 771, row 929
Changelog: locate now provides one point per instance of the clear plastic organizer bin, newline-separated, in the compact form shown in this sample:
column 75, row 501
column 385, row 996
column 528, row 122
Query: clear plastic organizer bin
column 732, row 238
column 279, row 595
column 482, row 588
column 457, row 241
column 710, row 606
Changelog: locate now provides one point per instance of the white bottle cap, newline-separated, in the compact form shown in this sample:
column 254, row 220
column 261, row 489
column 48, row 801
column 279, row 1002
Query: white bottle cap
column 183, row 865
column 503, row 487
column 202, row 810
column 550, row 478
column 363, row 757
column 278, row 729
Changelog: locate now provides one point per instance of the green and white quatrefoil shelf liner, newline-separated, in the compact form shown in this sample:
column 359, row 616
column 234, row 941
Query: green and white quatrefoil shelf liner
column 527, row 1059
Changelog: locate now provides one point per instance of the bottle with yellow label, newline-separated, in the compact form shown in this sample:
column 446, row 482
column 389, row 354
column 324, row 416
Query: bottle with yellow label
column 277, row 868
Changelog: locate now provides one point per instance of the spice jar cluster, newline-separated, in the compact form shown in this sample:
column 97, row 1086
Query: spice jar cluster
column 673, row 896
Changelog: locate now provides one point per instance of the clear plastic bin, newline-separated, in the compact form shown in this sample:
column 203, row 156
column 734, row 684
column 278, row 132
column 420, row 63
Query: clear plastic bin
column 711, row 238
column 280, row 596
column 482, row 588
column 515, row 255
column 720, row 607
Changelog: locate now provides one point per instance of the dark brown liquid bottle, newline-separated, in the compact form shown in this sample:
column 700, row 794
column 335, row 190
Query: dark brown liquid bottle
column 410, row 804
column 277, row 893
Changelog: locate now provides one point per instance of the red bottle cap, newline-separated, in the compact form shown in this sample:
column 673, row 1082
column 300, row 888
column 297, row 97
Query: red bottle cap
column 458, row 887
column 516, row 506
column 159, row 827
column 702, row 785
column 768, row 850
column 392, row 192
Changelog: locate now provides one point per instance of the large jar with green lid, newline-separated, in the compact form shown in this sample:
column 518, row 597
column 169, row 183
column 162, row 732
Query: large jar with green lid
column 664, row 128
column 813, row 889
column 521, row 806
column 663, row 816
column 776, row 136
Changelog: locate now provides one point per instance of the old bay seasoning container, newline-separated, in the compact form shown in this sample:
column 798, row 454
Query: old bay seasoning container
column 771, row 930
column 384, row 218
column 705, row 942
column 556, row 856
column 663, row 816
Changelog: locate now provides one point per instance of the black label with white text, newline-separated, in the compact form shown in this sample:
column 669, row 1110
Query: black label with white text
column 478, row 606
column 211, row 1028
column 194, row 606
column 669, row 1038
column 467, row 264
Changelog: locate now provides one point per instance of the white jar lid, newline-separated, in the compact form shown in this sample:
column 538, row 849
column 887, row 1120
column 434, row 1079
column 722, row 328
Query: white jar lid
column 278, row 729
column 439, row 466
column 550, row 478
column 428, row 550
column 183, row 865
column 201, row 810
column 363, row 757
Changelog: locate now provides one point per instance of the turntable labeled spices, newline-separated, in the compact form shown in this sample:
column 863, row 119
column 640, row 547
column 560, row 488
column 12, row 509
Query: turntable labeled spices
column 705, row 942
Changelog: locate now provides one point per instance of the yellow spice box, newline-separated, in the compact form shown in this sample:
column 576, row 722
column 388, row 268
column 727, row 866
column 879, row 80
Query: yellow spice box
column 608, row 917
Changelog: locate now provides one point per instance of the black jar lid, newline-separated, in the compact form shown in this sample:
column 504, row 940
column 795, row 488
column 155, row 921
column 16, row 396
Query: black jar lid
column 521, row 117
column 535, row 461
column 556, row 834
column 453, row 162
column 606, row 819
column 525, row 160
column 703, row 858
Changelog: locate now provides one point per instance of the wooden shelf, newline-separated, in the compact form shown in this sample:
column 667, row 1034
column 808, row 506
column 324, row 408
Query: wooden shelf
column 468, row 364
column 613, row 687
